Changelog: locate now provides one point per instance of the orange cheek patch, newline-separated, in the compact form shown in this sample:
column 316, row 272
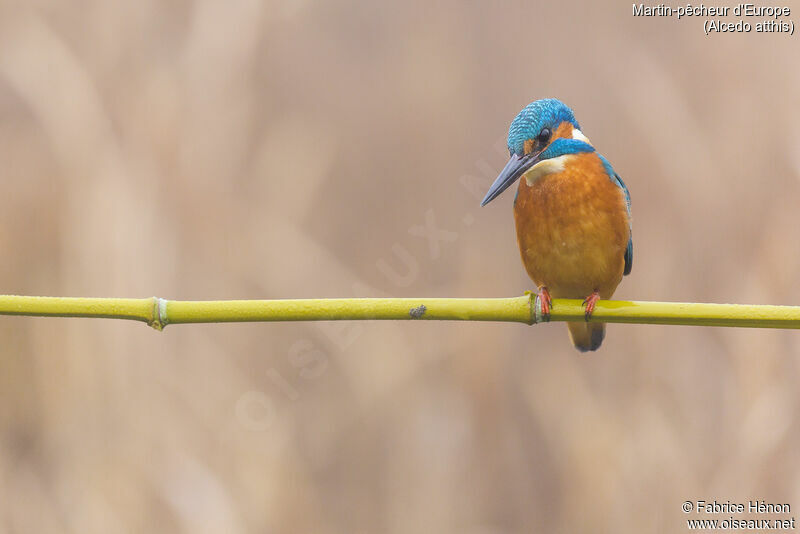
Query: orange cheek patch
column 527, row 147
column 563, row 131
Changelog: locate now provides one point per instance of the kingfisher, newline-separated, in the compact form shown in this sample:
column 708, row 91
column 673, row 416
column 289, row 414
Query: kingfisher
column 572, row 213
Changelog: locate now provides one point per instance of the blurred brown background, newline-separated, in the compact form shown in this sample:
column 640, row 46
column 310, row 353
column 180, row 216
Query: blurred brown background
column 244, row 149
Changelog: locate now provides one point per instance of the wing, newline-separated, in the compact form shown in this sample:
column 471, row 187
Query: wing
column 615, row 178
column 629, row 248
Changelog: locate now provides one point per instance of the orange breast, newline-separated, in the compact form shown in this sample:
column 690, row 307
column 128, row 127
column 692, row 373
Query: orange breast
column 572, row 229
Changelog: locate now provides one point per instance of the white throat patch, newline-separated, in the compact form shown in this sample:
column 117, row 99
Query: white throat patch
column 545, row 167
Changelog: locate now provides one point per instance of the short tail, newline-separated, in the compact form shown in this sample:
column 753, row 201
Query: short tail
column 586, row 336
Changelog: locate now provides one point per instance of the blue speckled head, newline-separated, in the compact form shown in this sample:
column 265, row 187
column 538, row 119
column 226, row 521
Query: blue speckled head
column 547, row 112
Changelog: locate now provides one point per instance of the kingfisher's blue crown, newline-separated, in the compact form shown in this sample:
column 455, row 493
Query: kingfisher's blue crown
column 547, row 112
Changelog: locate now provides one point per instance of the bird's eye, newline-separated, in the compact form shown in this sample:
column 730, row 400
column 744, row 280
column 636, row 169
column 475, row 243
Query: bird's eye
column 544, row 135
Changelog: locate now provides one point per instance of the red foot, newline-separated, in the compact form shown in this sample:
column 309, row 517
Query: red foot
column 546, row 302
column 589, row 302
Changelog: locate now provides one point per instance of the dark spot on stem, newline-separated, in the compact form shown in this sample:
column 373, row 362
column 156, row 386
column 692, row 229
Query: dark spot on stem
column 417, row 312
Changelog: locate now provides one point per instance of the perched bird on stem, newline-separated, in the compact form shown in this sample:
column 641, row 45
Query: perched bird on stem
column 572, row 212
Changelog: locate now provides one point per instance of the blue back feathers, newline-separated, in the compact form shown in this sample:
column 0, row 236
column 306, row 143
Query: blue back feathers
column 547, row 112
column 614, row 177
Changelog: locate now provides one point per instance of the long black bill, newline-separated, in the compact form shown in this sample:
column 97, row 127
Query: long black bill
column 516, row 167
